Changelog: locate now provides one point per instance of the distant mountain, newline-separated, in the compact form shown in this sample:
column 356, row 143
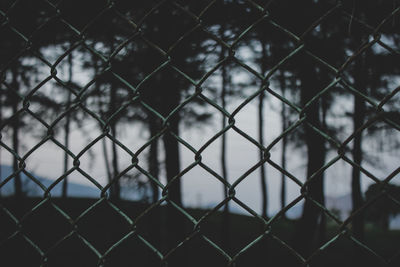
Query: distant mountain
column 342, row 204
column 33, row 190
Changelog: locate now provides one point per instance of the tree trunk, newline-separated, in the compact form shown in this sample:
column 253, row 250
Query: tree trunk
column 167, row 97
column 262, row 167
column 358, row 121
column 153, row 162
column 172, row 161
column 307, row 232
column 115, row 187
column 263, row 178
column 175, row 223
column 263, row 248
column 322, row 223
column 284, row 143
column 103, row 140
column 225, row 240
column 156, row 218
column 67, row 128
column 15, row 136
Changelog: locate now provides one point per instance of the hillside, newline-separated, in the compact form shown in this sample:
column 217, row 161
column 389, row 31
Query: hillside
column 339, row 203
column 31, row 189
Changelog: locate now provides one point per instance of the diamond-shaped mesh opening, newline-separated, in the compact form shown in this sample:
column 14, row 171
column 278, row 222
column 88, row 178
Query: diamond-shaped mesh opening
column 205, row 255
column 130, row 252
column 24, row 247
column 110, row 226
column 60, row 255
column 45, row 226
column 187, row 133
column 258, row 254
column 353, row 254
column 8, row 224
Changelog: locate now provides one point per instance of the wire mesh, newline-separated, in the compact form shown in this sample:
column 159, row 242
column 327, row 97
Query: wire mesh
column 322, row 49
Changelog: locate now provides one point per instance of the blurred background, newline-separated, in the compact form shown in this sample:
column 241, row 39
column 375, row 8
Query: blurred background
column 255, row 108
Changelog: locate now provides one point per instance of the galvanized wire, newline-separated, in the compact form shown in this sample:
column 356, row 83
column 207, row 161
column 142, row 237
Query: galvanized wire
column 79, row 40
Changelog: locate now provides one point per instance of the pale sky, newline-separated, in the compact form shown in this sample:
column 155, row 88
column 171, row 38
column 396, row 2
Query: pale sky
column 201, row 189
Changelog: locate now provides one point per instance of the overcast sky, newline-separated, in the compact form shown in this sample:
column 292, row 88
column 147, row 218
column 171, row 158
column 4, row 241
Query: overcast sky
column 201, row 189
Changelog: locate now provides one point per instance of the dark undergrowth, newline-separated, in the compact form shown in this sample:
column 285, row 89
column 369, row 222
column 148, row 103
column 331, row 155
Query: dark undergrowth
column 68, row 243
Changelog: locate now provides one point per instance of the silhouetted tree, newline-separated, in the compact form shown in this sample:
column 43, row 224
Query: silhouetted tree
column 261, row 134
column 225, row 84
column 67, row 127
column 359, row 115
column 368, row 78
column 285, row 124
column 14, row 99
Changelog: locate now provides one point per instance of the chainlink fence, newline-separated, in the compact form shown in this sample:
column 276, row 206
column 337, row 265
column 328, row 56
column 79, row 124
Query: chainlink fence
column 160, row 64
